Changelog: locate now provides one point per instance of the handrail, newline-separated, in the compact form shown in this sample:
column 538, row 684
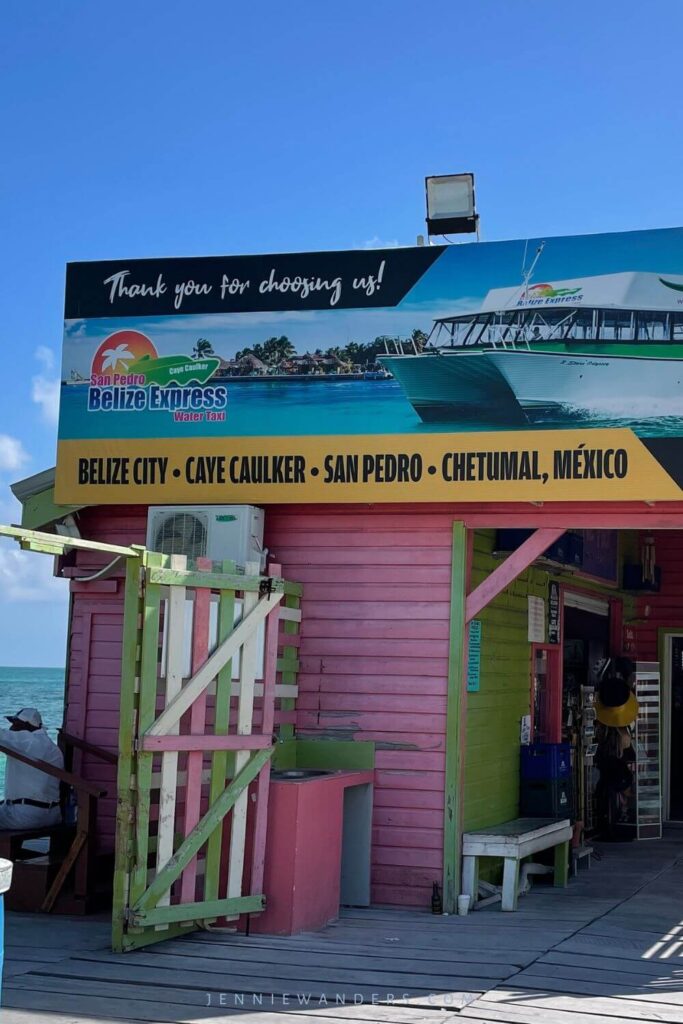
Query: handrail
column 88, row 748
column 36, row 539
column 57, row 773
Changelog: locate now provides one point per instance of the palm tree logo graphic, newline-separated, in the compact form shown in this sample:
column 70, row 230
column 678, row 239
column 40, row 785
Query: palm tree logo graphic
column 111, row 358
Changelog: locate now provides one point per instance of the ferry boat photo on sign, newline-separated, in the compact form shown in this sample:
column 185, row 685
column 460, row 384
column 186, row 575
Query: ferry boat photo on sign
column 607, row 348
column 540, row 369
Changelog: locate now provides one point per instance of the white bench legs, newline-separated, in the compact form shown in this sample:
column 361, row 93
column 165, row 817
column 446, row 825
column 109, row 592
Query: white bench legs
column 510, row 884
column 514, row 841
column 470, row 879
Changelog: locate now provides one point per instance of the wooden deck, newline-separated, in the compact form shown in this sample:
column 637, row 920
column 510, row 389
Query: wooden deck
column 608, row 949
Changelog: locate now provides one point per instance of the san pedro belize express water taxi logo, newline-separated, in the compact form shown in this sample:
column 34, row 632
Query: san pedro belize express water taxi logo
column 127, row 374
column 547, row 294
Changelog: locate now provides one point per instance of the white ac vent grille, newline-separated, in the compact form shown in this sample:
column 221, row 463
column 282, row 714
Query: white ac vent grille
column 222, row 533
column 182, row 533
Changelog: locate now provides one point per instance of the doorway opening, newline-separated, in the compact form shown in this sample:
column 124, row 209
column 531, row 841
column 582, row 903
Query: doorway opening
column 586, row 645
column 672, row 748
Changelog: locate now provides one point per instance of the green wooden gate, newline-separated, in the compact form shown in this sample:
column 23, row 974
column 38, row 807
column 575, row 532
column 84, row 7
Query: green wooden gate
column 208, row 683
column 199, row 685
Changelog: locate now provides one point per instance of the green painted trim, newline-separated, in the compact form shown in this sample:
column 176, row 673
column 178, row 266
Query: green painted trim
column 288, row 665
column 199, row 911
column 284, row 755
column 294, row 590
column 662, row 633
column 219, row 760
column 200, row 833
column 41, row 509
column 352, row 755
column 52, row 543
column 452, row 839
column 221, row 581
column 211, row 580
column 149, row 657
column 145, row 938
column 125, row 808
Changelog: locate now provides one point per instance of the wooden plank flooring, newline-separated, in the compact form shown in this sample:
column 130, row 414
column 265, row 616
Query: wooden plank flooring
column 608, row 949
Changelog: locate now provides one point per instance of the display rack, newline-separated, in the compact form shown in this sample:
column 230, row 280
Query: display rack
column 647, row 744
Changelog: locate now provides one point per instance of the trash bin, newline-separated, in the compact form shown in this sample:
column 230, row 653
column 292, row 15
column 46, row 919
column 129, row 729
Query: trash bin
column 5, row 882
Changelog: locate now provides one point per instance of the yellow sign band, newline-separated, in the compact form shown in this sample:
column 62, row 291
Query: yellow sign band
column 558, row 465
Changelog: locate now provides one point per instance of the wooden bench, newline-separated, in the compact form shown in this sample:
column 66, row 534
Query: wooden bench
column 79, row 838
column 513, row 841
column 12, row 840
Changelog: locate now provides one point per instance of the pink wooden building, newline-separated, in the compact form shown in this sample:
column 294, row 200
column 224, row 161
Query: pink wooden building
column 373, row 656
column 388, row 592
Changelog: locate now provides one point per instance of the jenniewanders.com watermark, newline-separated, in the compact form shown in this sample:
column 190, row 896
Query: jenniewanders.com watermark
column 313, row 999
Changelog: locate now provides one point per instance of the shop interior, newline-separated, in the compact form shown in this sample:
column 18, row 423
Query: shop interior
column 607, row 688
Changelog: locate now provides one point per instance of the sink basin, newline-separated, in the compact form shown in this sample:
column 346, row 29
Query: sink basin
column 298, row 774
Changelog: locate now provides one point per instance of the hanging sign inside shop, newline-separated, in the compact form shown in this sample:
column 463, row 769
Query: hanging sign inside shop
column 554, row 612
column 434, row 373
column 536, row 620
column 474, row 656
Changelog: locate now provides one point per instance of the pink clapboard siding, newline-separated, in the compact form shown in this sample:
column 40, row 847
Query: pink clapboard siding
column 665, row 609
column 373, row 655
column 94, row 667
column 374, row 664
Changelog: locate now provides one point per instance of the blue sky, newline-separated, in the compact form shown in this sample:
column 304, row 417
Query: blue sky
column 177, row 128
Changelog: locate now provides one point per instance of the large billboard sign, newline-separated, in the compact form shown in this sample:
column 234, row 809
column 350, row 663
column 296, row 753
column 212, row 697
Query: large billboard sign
column 540, row 369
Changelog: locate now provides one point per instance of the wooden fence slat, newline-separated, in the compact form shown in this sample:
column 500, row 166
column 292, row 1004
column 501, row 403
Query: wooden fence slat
column 199, row 911
column 149, row 658
column 199, row 835
column 193, row 787
column 175, row 630
column 245, row 714
column 288, row 664
column 267, row 724
column 201, row 679
column 204, row 743
column 220, row 759
column 124, row 812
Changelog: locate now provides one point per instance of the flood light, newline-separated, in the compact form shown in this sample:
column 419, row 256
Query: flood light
column 450, row 204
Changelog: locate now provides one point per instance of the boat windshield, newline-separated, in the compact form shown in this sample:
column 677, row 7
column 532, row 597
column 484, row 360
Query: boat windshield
column 524, row 327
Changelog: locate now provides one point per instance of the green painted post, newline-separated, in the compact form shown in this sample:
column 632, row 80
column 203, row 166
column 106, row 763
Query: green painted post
column 219, row 760
column 454, row 722
column 288, row 665
column 149, row 672
column 125, row 805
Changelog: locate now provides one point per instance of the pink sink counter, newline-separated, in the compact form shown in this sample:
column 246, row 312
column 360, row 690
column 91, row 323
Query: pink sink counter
column 318, row 844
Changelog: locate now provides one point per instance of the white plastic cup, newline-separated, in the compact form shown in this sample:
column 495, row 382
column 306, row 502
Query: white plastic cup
column 463, row 905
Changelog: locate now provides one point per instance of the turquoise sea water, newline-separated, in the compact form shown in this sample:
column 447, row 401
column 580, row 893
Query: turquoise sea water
column 41, row 688
column 312, row 407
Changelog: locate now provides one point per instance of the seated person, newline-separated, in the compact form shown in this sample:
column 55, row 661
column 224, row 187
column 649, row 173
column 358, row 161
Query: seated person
column 31, row 796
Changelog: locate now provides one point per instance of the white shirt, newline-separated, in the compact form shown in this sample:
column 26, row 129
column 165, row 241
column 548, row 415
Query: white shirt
column 23, row 781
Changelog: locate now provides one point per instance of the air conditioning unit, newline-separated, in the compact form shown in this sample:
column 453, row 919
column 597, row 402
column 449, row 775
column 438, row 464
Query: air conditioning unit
column 218, row 532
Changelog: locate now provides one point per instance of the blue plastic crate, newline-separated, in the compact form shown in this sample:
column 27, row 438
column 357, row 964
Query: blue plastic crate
column 546, row 761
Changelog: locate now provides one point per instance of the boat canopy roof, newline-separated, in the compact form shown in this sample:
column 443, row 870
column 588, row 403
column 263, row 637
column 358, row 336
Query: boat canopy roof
column 630, row 290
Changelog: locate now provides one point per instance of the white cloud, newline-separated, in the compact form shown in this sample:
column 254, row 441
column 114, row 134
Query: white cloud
column 12, row 453
column 27, row 576
column 379, row 243
column 45, row 385
column 75, row 328
column 46, row 356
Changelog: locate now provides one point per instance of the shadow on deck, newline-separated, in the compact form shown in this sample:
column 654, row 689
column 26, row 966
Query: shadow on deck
column 608, row 948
